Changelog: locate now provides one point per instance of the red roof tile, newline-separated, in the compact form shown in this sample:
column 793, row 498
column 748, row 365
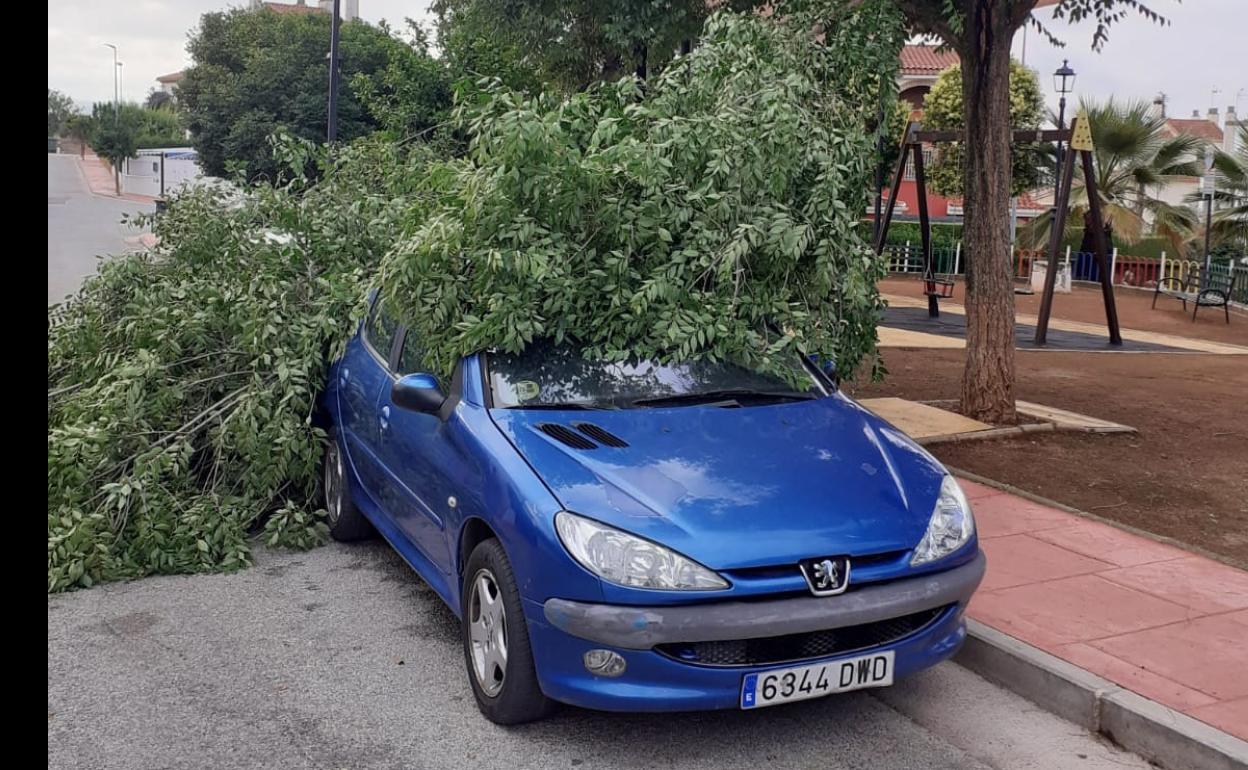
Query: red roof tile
column 926, row 60
column 1198, row 127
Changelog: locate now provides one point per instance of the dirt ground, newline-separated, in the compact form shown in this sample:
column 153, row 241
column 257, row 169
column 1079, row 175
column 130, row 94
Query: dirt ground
column 1134, row 310
column 1183, row 476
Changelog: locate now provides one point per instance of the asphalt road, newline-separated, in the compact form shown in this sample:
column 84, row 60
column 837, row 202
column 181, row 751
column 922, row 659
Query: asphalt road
column 342, row 658
column 81, row 226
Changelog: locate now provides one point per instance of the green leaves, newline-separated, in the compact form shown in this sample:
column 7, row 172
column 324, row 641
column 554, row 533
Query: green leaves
column 697, row 220
column 943, row 109
column 716, row 215
column 182, row 383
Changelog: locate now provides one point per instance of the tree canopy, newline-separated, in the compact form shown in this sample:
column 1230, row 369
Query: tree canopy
column 255, row 73
column 716, row 215
column 943, row 110
column 568, row 45
column 60, row 110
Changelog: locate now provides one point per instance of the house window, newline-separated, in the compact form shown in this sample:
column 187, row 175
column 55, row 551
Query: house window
column 929, row 157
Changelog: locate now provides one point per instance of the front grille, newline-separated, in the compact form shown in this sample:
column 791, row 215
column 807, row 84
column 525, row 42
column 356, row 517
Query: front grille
column 798, row 647
column 792, row 568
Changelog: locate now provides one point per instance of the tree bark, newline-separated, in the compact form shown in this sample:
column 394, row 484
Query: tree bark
column 988, row 379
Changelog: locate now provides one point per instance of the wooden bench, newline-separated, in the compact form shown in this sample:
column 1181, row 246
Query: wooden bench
column 1209, row 289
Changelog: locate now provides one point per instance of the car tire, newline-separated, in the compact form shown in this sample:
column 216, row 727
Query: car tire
column 345, row 521
column 505, row 686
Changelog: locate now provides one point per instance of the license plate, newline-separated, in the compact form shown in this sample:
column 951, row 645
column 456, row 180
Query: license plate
column 784, row 685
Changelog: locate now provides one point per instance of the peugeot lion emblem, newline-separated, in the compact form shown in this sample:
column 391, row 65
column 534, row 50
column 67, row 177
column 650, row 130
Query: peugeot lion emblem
column 827, row 576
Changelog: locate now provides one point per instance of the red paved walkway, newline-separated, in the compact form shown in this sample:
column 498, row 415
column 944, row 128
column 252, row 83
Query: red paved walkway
column 99, row 176
column 1165, row 623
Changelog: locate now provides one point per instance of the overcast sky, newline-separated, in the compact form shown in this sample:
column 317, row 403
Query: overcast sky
column 1202, row 49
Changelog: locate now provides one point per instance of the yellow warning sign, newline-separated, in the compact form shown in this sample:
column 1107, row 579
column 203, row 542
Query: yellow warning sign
column 1081, row 139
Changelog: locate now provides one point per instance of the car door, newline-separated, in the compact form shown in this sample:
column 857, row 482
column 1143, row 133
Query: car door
column 363, row 374
column 421, row 459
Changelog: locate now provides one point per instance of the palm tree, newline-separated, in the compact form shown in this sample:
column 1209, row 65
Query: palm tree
column 1230, row 199
column 1133, row 160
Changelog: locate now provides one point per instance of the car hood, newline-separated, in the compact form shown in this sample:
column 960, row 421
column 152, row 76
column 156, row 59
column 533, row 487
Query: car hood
column 735, row 488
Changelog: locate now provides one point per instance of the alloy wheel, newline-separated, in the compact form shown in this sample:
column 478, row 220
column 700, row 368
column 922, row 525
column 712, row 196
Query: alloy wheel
column 333, row 483
column 487, row 627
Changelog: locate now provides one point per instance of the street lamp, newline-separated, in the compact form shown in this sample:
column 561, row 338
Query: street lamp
column 1063, row 83
column 331, row 132
column 116, row 84
column 1208, row 190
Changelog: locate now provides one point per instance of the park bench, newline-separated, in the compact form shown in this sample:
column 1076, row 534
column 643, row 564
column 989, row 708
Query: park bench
column 1208, row 289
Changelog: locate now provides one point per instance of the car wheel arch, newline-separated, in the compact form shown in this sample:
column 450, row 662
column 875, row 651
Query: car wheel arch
column 472, row 533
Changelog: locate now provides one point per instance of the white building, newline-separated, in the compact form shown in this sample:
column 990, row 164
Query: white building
column 1218, row 131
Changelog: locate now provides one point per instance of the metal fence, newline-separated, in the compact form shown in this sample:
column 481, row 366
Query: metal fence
column 908, row 258
column 1127, row 270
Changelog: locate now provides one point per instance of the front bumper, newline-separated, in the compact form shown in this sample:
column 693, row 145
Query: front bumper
column 561, row 631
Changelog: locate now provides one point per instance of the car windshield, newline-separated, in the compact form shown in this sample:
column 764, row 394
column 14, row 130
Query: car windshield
column 559, row 376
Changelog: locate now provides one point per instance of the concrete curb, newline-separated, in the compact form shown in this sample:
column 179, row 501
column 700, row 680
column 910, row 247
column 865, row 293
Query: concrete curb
column 1157, row 733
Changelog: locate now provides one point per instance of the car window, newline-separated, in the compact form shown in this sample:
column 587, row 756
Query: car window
column 412, row 356
column 381, row 330
column 548, row 374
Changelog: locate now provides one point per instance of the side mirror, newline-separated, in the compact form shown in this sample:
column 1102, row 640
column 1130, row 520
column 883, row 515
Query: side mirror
column 417, row 393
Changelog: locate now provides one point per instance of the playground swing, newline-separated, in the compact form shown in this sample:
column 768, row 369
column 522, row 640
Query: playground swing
column 938, row 286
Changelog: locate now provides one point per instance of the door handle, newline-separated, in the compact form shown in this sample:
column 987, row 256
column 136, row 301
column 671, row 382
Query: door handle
column 385, row 417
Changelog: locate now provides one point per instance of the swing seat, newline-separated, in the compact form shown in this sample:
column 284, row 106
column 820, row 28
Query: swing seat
column 939, row 286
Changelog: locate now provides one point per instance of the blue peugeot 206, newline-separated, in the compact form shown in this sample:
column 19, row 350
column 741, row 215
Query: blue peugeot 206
column 640, row 536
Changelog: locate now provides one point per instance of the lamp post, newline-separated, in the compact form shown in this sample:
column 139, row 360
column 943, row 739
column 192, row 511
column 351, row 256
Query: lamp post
column 331, row 132
column 1208, row 188
column 1063, row 83
column 116, row 84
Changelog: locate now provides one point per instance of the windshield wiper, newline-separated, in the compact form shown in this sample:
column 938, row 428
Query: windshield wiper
column 728, row 394
column 569, row 405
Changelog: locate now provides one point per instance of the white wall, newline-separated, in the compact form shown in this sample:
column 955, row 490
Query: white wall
column 141, row 174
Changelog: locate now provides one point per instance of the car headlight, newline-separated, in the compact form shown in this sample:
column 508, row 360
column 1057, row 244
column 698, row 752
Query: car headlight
column 950, row 527
column 628, row 560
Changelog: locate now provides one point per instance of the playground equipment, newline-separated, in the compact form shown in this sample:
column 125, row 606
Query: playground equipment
column 938, row 286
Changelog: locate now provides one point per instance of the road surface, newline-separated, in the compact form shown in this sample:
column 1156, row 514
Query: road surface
column 81, row 226
column 342, row 658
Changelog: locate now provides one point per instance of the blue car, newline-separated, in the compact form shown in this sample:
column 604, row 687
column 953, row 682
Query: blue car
column 638, row 536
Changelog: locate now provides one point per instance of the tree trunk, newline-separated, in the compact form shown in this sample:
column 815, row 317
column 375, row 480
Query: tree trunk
column 117, row 179
column 988, row 380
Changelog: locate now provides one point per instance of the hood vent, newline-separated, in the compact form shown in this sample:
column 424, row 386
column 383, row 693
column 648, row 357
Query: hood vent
column 566, row 435
column 599, row 434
